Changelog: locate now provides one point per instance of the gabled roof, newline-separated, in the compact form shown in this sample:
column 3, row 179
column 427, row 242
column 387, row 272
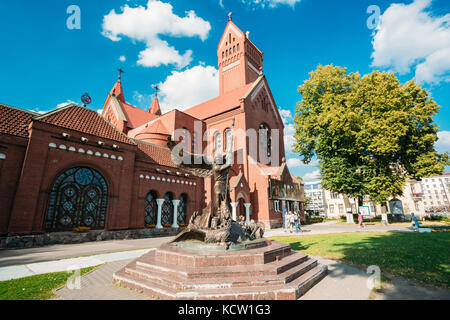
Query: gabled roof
column 81, row 119
column 220, row 104
column 154, row 108
column 154, row 154
column 135, row 116
column 117, row 91
column 15, row 121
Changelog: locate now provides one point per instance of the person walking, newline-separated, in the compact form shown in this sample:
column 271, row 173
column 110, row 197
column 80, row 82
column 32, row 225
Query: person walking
column 361, row 220
column 415, row 223
column 297, row 222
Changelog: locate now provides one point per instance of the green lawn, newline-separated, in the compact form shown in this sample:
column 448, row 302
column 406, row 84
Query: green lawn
column 37, row 287
column 424, row 257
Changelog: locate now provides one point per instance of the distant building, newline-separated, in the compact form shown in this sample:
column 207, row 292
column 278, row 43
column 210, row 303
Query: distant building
column 419, row 197
column 314, row 191
column 434, row 192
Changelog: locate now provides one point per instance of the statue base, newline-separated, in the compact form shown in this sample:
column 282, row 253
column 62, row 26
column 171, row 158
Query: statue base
column 194, row 270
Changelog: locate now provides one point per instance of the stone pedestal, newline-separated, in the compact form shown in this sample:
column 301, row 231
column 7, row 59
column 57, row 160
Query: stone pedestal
column 384, row 219
column 350, row 218
column 261, row 269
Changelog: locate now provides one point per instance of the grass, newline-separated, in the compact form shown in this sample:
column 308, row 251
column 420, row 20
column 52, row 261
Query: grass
column 38, row 287
column 424, row 257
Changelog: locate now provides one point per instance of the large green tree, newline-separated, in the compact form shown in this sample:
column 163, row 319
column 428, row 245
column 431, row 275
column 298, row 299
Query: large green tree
column 369, row 133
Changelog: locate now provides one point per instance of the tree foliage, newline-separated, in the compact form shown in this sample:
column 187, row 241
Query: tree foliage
column 369, row 133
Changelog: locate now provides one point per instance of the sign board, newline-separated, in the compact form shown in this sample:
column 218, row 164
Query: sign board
column 365, row 211
column 396, row 207
column 285, row 191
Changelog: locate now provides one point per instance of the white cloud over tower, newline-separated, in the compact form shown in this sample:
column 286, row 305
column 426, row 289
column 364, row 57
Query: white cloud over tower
column 148, row 23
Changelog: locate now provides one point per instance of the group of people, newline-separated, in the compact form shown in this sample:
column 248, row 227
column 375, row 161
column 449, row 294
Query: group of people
column 292, row 221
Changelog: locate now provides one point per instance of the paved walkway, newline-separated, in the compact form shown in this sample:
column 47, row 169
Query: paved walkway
column 66, row 251
column 335, row 227
column 97, row 285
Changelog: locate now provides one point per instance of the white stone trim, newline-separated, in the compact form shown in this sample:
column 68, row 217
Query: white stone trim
column 52, row 145
column 235, row 30
column 120, row 158
column 2, row 156
column 113, row 157
column 81, row 150
column 98, row 154
column 231, row 65
column 62, row 147
column 90, row 152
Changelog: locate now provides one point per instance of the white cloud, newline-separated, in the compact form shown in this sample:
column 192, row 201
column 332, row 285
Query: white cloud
column 289, row 129
column 443, row 144
column 184, row 89
column 147, row 24
column 63, row 104
column 122, row 58
column 296, row 163
column 272, row 3
column 410, row 37
column 315, row 175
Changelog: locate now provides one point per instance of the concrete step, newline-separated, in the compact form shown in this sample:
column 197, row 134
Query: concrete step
column 289, row 291
column 273, row 268
column 176, row 282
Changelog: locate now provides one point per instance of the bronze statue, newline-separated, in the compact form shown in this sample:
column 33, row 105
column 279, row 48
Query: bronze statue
column 214, row 224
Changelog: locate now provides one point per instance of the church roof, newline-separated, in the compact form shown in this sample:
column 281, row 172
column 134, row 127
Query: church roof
column 135, row 116
column 117, row 91
column 154, row 154
column 155, row 108
column 220, row 104
column 84, row 120
column 15, row 121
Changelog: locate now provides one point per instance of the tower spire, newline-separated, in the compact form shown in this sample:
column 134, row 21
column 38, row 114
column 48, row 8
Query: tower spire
column 155, row 108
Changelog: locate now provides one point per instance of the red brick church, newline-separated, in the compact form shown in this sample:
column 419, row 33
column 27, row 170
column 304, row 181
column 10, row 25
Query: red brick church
column 73, row 168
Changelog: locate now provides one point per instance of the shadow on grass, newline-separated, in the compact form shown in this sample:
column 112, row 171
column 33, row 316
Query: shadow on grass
column 422, row 257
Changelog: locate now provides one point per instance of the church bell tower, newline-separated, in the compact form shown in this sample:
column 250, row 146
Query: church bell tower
column 240, row 61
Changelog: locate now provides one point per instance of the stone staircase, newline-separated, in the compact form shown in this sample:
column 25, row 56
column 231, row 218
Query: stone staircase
column 273, row 271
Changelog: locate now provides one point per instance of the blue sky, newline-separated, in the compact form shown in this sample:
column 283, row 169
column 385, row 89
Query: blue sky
column 43, row 64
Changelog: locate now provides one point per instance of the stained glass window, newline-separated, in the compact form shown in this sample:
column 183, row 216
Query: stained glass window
column 167, row 210
column 151, row 208
column 182, row 209
column 78, row 198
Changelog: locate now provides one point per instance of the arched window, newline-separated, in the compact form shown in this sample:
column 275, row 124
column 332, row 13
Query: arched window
column 151, row 208
column 78, row 198
column 265, row 139
column 237, row 47
column 182, row 209
column 217, row 143
column 228, row 140
column 223, row 54
column 167, row 209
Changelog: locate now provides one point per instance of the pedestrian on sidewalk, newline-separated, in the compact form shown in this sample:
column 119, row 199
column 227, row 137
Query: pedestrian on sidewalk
column 415, row 222
column 361, row 220
column 297, row 222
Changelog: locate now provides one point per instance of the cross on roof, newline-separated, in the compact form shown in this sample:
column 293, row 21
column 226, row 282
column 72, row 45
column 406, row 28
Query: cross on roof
column 230, row 16
column 120, row 73
column 156, row 87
